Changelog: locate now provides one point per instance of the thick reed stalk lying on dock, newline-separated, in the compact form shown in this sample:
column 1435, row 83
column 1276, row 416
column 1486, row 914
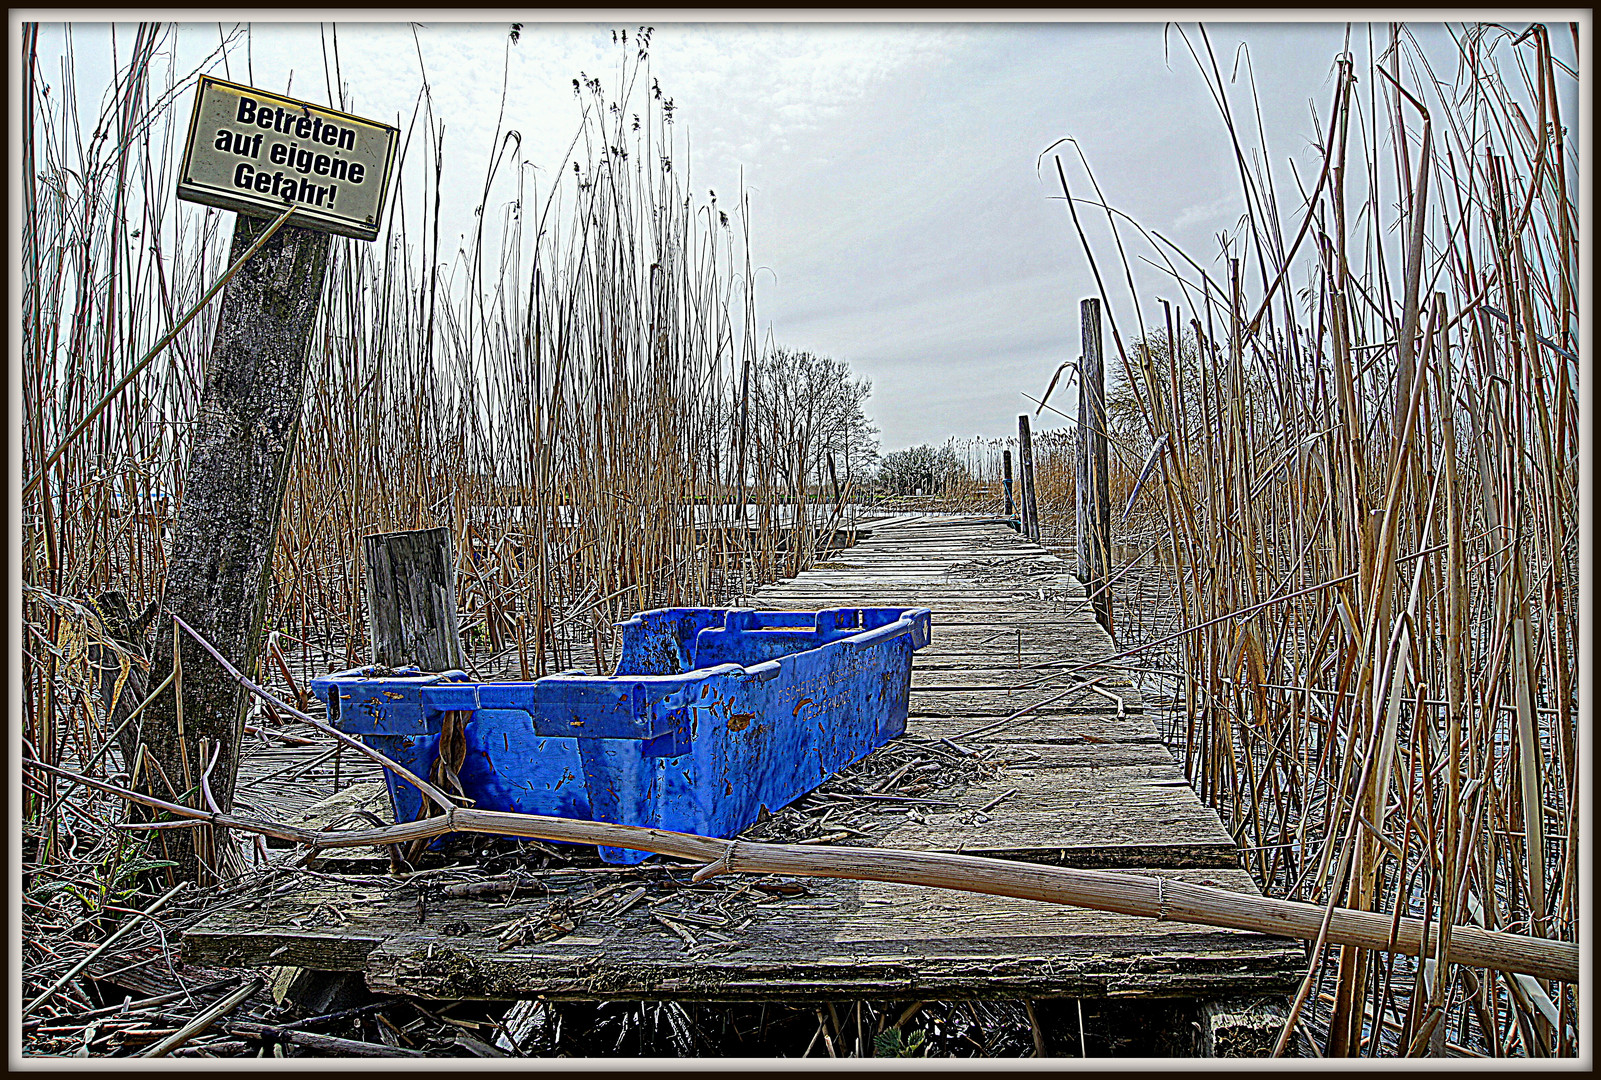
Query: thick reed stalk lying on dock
column 1124, row 893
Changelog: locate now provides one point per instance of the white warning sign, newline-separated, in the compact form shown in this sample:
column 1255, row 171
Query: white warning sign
column 258, row 153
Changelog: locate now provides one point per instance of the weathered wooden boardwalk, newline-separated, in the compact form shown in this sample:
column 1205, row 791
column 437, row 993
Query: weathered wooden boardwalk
column 1080, row 779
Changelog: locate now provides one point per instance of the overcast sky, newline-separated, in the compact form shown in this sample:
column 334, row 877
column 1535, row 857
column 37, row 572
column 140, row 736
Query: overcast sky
column 896, row 189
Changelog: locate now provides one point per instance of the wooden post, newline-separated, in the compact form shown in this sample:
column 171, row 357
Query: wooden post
column 1026, row 496
column 411, row 599
column 1242, row 1028
column 1022, row 479
column 1006, row 481
column 221, row 561
column 1094, row 497
column 1081, row 479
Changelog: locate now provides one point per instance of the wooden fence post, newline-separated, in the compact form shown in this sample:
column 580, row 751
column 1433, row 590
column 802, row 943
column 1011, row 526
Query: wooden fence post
column 1022, row 489
column 1093, row 496
column 1026, row 495
column 1006, row 468
column 1081, row 478
column 411, row 599
column 233, row 490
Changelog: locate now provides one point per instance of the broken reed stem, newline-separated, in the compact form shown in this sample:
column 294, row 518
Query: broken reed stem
column 203, row 1022
column 1124, row 893
column 439, row 798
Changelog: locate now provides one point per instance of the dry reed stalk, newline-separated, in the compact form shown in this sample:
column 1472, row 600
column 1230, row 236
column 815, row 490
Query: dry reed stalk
column 1402, row 743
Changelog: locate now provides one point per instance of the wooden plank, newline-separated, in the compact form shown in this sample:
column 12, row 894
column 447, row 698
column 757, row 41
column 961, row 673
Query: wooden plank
column 841, row 938
column 1046, row 729
column 966, row 572
column 942, row 603
column 923, row 560
column 947, row 610
column 999, row 637
column 1101, row 821
column 1022, row 680
column 958, row 576
column 913, row 557
column 282, row 782
column 1069, row 618
column 1020, row 756
column 981, row 704
column 1052, row 617
column 946, row 666
column 935, row 584
column 928, row 551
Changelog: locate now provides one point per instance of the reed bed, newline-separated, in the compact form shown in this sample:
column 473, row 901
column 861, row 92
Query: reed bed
column 578, row 393
column 1351, row 574
column 1367, row 430
column 579, row 413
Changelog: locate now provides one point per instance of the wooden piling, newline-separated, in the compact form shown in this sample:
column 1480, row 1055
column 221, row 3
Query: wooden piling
column 1093, row 497
column 1081, row 480
column 1006, row 468
column 411, row 599
column 1240, row 1027
column 227, row 525
column 1027, row 498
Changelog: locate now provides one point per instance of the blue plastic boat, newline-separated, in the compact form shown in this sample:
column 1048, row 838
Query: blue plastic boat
column 712, row 715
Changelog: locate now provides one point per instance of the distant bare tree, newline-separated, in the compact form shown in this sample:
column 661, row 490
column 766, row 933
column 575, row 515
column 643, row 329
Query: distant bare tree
column 919, row 470
column 807, row 407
